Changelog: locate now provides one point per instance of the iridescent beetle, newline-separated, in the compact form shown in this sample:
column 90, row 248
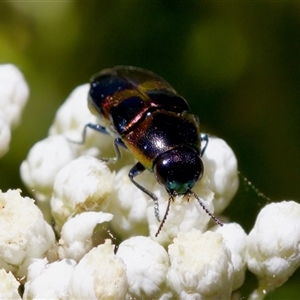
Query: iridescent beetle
column 147, row 117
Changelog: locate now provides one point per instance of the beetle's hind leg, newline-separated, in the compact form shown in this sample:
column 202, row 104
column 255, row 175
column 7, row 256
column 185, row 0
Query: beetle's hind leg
column 137, row 169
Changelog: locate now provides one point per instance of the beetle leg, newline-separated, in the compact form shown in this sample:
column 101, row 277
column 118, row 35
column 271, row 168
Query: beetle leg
column 204, row 137
column 96, row 127
column 117, row 142
column 137, row 169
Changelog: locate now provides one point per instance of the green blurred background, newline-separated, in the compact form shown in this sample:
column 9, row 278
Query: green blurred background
column 237, row 64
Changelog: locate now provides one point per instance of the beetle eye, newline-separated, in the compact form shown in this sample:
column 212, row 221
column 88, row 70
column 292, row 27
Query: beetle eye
column 178, row 170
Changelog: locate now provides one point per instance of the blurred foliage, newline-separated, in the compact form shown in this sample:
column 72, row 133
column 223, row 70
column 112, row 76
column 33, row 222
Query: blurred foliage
column 237, row 64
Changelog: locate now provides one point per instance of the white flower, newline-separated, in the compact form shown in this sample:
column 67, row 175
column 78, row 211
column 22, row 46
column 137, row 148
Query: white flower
column 8, row 286
column 99, row 275
column 14, row 93
column 42, row 164
column 147, row 263
column 220, row 166
column 76, row 234
column 73, row 114
column 274, row 245
column 201, row 266
column 70, row 120
column 129, row 204
column 236, row 241
column 84, row 184
column 24, row 234
column 184, row 214
column 48, row 281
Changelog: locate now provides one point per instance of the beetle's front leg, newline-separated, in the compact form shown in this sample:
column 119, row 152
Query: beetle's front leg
column 96, row 127
column 204, row 137
column 137, row 169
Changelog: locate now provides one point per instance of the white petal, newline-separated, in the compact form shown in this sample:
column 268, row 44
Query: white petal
column 85, row 184
column 48, row 281
column 76, row 234
column 274, row 244
column 147, row 263
column 128, row 204
column 201, row 266
column 25, row 235
column 42, row 164
column 14, row 93
column 8, row 286
column 220, row 166
column 236, row 241
column 70, row 120
column 99, row 275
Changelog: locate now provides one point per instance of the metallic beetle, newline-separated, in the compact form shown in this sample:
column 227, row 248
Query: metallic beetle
column 148, row 118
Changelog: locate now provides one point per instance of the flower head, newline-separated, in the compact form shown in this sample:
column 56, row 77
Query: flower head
column 25, row 235
column 147, row 264
column 201, row 266
column 82, row 185
column 274, row 245
column 100, row 274
column 48, row 281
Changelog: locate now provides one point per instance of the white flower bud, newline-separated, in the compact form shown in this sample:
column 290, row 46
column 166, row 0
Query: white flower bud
column 70, row 120
column 274, row 245
column 42, row 164
column 185, row 213
column 14, row 93
column 73, row 114
column 76, row 234
column 201, row 266
column 99, row 275
column 220, row 166
column 236, row 240
column 48, row 281
column 25, row 235
column 129, row 204
column 8, row 286
column 147, row 263
column 85, row 184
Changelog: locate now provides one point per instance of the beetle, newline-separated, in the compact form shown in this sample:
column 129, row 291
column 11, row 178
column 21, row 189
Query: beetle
column 148, row 118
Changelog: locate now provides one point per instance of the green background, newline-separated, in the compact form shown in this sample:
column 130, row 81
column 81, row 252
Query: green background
column 236, row 63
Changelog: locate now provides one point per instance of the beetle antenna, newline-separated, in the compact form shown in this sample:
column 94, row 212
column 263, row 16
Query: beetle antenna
column 206, row 209
column 156, row 209
column 254, row 188
column 164, row 218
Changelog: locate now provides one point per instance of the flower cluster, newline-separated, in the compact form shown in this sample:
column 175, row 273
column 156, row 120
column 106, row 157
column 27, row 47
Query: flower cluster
column 106, row 246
